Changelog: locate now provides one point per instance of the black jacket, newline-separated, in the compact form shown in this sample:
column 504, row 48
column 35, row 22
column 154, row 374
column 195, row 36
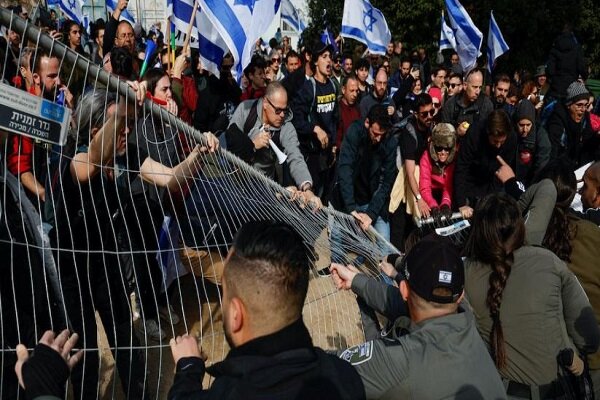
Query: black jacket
column 565, row 64
column 533, row 153
column 574, row 140
column 475, row 174
column 283, row 365
column 350, row 166
column 216, row 103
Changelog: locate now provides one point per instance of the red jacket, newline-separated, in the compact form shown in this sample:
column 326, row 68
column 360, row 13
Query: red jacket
column 428, row 182
column 189, row 98
column 20, row 152
column 348, row 114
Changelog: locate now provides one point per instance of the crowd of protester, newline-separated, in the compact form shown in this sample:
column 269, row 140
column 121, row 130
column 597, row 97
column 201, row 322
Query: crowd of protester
column 390, row 139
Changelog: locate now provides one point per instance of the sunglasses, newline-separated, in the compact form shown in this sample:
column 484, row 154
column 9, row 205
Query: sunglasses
column 278, row 110
column 453, row 85
column 439, row 149
column 276, row 60
column 424, row 114
column 437, row 105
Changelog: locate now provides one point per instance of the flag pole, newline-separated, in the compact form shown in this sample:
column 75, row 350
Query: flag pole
column 188, row 35
column 168, row 40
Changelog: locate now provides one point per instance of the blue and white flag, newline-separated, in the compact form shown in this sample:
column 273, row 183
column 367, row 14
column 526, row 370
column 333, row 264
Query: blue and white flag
column 240, row 23
column 468, row 37
column 86, row 24
column 181, row 14
column 125, row 14
column 365, row 23
column 327, row 38
column 73, row 9
column 291, row 16
column 496, row 43
column 211, row 45
column 447, row 40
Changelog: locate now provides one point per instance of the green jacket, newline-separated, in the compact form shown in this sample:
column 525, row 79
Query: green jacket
column 584, row 264
column 543, row 311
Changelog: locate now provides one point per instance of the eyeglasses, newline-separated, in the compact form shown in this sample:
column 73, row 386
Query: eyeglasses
column 276, row 60
column 439, row 149
column 278, row 110
column 424, row 114
column 581, row 105
column 126, row 35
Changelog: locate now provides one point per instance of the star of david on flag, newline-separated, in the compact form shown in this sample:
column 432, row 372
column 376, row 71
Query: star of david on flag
column 73, row 10
column 240, row 23
column 290, row 14
column 369, row 20
column 365, row 23
column 247, row 3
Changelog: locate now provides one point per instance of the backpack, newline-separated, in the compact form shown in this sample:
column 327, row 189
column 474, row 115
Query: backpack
column 400, row 128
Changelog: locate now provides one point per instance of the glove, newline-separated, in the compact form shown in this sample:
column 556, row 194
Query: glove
column 446, row 212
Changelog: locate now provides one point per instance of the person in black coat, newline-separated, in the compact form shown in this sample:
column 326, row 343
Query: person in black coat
column 272, row 356
column 569, row 128
column 477, row 164
column 565, row 64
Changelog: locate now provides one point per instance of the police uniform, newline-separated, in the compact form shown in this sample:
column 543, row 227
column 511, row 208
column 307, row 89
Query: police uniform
column 440, row 357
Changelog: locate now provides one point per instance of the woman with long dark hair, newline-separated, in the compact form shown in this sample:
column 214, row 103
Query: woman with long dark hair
column 575, row 241
column 528, row 305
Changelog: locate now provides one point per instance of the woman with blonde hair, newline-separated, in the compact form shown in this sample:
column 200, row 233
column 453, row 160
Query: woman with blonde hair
column 437, row 169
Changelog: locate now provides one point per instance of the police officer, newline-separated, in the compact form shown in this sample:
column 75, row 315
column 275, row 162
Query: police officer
column 442, row 343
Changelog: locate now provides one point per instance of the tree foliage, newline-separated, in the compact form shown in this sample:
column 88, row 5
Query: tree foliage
column 529, row 27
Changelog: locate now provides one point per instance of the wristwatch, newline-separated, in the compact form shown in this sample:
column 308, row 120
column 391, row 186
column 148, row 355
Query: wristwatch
column 418, row 197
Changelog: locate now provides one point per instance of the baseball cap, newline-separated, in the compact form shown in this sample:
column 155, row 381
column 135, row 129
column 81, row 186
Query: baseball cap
column 432, row 263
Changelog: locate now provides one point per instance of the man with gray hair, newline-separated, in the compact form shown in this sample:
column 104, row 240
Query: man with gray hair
column 260, row 128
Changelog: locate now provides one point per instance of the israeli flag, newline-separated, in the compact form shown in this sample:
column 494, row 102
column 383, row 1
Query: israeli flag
column 181, row 14
column 468, row 37
column 86, row 24
column 496, row 43
column 447, row 40
column 327, row 38
column 291, row 16
column 125, row 14
column 211, row 45
column 363, row 22
column 240, row 23
column 73, row 9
